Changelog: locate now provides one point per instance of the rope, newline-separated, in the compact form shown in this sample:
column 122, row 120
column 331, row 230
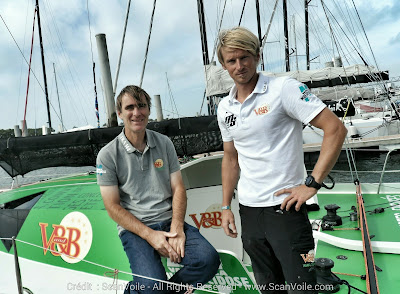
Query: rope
column 350, row 159
column 347, row 109
column 113, row 275
column 384, row 124
column 343, row 282
column 346, row 274
column 371, row 278
column 113, row 270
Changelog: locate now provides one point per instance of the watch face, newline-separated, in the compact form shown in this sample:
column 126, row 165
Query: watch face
column 308, row 181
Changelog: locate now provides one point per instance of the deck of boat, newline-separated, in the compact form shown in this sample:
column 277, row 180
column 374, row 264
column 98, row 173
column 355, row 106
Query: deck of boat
column 383, row 226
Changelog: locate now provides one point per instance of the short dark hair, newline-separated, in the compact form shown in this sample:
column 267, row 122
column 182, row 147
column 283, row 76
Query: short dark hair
column 136, row 92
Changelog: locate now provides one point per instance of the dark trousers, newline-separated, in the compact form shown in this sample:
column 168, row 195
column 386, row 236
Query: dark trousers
column 275, row 241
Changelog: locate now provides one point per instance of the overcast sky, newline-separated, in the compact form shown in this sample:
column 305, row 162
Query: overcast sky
column 175, row 49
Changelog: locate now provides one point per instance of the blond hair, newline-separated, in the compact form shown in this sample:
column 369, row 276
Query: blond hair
column 136, row 93
column 238, row 38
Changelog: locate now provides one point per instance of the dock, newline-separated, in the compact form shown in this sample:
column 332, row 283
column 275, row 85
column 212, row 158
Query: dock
column 384, row 143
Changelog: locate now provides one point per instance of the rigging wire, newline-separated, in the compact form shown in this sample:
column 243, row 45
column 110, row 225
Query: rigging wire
column 334, row 40
column 96, row 103
column 65, row 60
column 58, row 97
column 33, row 72
column 29, row 71
column 218, row 31
column 69, row 64
column 148, row 44
column 327, row 10
column 241, row 15
column 365, row 34
column 373, row 76
column 190, row 288
column 26, row 61
column 20, row 74
column 173, row 100
column 122, row 45
column 317, row 31
column 264, row 38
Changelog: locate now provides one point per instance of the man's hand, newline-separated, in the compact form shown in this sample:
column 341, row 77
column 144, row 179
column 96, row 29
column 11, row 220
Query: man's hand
column 298, row 195
column 178, row 244
column 159, row 241
column 228, row 219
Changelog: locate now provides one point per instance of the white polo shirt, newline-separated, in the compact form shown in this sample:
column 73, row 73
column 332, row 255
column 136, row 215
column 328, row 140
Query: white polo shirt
column 267, row 133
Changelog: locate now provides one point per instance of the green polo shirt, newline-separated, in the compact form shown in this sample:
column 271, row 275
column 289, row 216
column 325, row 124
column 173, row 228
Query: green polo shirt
column 143, row 179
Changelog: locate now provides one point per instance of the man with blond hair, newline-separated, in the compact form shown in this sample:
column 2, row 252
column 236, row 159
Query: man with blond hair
column 261, row 126
column 143, row 192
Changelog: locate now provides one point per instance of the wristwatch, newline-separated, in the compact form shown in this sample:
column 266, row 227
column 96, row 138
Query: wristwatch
column 310, row 182
column 225, row 207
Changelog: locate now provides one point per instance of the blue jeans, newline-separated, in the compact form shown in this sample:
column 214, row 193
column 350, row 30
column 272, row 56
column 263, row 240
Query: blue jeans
column 200, row 264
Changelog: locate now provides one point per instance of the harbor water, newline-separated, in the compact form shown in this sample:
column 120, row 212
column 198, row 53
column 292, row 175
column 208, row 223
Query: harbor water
column 366, row 166
column 369, row 166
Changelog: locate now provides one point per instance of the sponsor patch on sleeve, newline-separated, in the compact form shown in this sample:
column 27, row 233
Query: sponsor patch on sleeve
column 99, row 170
column 306, row 93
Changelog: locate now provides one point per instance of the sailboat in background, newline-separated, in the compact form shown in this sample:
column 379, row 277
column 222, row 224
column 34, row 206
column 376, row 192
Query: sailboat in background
column 333, row 84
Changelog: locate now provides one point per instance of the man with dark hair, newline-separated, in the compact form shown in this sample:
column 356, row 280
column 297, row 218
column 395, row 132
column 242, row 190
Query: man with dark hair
column 261, row 126
column 143, row 192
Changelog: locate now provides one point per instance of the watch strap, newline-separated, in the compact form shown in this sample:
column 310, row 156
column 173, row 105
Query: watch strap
column 310, row 182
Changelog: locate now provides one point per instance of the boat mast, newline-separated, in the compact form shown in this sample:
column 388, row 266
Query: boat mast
column 307, row 34
column 44, row 67
column 285, row 29
column 259, row 32
column 203, row 34
column 204, row 47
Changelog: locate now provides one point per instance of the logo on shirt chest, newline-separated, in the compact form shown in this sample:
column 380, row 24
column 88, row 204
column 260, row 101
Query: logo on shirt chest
column 230, row 120
column 159, row 163
column 263, row 109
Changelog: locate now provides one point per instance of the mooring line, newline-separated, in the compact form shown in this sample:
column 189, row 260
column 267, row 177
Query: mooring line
column 114, row 270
